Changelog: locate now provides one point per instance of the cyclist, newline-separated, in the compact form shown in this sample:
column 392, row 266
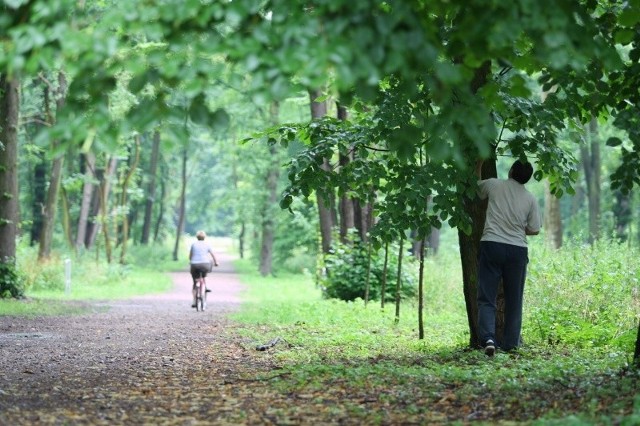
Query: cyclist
column 200, row 258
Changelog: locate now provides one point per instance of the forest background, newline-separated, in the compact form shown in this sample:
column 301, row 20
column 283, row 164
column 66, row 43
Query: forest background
column 335, row 139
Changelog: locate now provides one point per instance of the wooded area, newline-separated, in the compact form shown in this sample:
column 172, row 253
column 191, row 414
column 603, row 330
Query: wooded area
column 132, row 123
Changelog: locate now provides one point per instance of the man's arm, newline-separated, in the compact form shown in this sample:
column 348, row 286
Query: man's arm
column 527, row 231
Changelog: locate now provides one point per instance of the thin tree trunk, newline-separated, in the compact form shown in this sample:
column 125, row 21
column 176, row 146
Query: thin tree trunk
column 9, row 121
column 105, row 188
column 433, row 242
column 50, row 207
column 636, row 353
column 421, row 292
column 385, row 268
column 151, row 189
column 39, row 197
column 163, row 193
column 123, row 200
column 324, row 201
column 622, row 213
column 591, row 162
column 367, row 286
column 268, row 222
column 87, row 196
column 399, row 280
column 552, row 218
column 183, row 202
column 66, row 219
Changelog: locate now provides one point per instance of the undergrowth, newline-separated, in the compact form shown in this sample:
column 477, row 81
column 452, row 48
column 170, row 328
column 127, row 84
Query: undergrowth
column 581, row 311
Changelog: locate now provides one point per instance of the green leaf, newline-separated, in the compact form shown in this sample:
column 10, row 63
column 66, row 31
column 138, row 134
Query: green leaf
column 629, row 17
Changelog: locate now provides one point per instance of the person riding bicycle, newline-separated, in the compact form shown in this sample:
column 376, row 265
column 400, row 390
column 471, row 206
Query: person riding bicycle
column 200, row 257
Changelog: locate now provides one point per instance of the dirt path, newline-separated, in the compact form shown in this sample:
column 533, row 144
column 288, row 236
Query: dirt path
column 148, row 360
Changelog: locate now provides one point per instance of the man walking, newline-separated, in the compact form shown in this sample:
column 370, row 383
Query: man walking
column 512, row 214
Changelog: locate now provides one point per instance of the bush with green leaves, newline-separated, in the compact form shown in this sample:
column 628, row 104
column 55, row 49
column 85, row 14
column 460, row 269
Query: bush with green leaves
column 11, row 283
column 584, row 295
column 345, row 273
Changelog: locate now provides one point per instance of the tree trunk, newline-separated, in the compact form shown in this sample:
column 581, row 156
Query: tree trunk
column 123, row 200
column 319, row 110
column 636, row 353
column 399, row 280
column 385, row 268
column 346, row 203
column 151, row 189
column 105, row 188
column 163, row 193
column 433, row 242
column 39, row 193
column 268, row 222
column 50, row 207
column 9, row 121
column 421, row 291
column 87, row 197
column 183, row 202
column 591, row 162
column 622, row 213
column 552, row 218
column 469, row 249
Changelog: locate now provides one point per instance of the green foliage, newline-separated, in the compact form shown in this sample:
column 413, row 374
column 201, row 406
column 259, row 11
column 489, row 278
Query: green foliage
column 11, row 282
column 346, row 271
column 585, row 296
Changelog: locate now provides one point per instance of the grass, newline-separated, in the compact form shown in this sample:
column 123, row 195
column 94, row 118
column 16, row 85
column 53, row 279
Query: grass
column 361, row 351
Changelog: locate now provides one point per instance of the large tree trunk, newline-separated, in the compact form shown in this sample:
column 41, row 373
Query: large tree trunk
column 9, row 120
column 268, row 221
column 591, row 162
column 470, row 244
column 50, row 207
column 319, row 110
column 183, row 203
column 151, row 189
column 552, row 218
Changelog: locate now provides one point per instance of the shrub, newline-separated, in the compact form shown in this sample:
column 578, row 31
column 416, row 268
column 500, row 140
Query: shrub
column 346, row 272
column 584, row 295
column 11, row 283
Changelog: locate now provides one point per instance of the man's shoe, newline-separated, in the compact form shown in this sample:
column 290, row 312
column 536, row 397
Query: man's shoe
column 206, row 290
column 193, row 305
column 489, row 348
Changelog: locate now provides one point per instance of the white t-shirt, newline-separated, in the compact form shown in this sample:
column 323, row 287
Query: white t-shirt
column 511, row 209
column 200, row 252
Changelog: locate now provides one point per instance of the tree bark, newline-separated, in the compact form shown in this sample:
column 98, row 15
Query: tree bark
column 346, row 203
column 87, row 197
column 39, row 194
column 470, row 244
column 268, row 221
column 399, row 280
column 9, row 121
column 151, row 189
column 105, row 189
column 421, row 291
column 622, row 213
column 552, row 218
column 50, row 207
column 183, row 202
column 324, row 201
column 591, row 163
column 123, row 200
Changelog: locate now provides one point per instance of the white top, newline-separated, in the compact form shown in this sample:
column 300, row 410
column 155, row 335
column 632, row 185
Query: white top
column 200, row 252
column 511, row 209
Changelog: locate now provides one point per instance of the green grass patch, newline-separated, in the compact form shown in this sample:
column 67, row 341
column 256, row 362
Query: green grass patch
column 345, row 353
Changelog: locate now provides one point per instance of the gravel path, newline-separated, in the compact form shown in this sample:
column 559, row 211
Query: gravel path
column 148, row 360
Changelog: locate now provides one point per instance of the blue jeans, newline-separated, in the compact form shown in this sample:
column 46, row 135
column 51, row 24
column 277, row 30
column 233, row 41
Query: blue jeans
column 509, row 262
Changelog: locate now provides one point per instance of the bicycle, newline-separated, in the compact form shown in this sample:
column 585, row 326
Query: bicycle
column 200, row 287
